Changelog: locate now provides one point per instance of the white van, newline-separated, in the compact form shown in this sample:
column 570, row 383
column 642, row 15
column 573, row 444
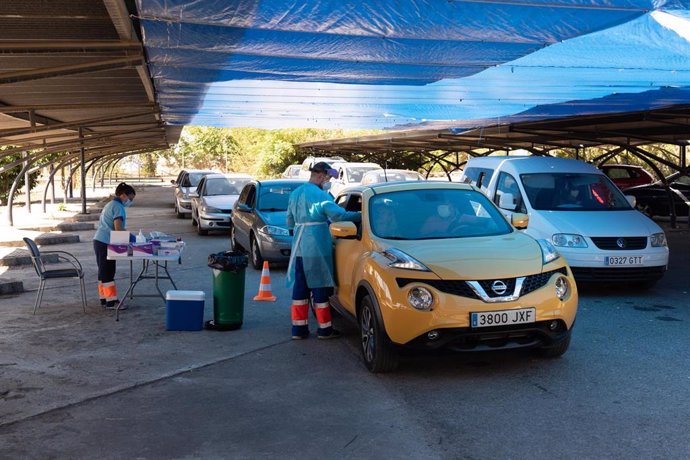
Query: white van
column 576, row 207
column 350, row 174
column 310, row 161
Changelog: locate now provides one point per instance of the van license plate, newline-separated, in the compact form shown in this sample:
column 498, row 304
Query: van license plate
column 624, row 260
column 503, row 317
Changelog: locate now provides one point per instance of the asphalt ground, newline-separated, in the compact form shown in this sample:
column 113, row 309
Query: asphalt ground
column 81, row 385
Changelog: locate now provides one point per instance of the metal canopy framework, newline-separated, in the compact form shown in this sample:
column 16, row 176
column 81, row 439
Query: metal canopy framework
column 664, row 126
column 74, row 85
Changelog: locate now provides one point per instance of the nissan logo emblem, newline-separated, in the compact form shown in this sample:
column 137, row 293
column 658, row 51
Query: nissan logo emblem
column 620, row 242
column 499, row 287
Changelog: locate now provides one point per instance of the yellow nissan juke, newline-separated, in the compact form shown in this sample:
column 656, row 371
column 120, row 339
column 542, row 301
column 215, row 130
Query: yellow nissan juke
column 436, row 265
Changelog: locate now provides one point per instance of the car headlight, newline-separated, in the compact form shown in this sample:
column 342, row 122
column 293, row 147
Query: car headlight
column 210, row 209
column 562, row 287
column 548, row 252
column 658, row 240
column 272, row 230
column 401, row 260
column 420, row 298
column 568, row 240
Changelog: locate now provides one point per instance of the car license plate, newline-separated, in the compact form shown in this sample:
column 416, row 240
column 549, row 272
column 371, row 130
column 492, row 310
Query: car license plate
column 624, row 260
column 503, row 317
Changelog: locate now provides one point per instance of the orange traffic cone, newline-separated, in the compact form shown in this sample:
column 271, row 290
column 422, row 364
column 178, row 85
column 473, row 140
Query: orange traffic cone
column 265, row 286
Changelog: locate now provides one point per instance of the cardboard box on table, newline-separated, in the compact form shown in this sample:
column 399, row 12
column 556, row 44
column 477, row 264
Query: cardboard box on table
column 119, row 243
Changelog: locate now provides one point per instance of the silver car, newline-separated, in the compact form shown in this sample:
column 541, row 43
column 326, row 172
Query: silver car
column 213, row 200
column 186, row 182
column 258, row 220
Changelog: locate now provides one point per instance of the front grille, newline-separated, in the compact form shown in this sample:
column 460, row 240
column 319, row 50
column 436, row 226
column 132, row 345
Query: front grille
column 628, row 242
column 462, row 289
column 223, row 224
column 226, row 211
column 534, row 282
column 624, row 274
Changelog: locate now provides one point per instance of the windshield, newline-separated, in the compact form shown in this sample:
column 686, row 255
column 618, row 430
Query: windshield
column 193, row 179
column 573, row 192
column 433, row 214
column 355, row 174
column 275, row 197
column 222, row 186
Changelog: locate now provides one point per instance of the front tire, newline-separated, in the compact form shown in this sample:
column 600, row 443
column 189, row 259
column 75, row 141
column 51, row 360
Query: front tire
column 180, row 215
column 255, row 254
column 200, row 230
column 233, row 240
column 555, row 351
column 378, row 354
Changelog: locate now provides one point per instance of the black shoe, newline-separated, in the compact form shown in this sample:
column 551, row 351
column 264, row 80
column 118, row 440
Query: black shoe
column 112, row 305
column 328, row 333
column 103, row 303
column 300, row 332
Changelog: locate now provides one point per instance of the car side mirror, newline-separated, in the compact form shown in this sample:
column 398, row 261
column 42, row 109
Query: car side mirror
column 343, row 230
column 172, row 181
column 632, row 200
column 507, row 201
column 242, row 207
column 519, row 220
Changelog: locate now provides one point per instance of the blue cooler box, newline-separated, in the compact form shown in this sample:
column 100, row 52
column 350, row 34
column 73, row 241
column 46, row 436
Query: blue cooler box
column 184, row 310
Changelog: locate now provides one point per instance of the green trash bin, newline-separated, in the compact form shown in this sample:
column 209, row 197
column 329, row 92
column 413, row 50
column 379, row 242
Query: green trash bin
column 228, row 290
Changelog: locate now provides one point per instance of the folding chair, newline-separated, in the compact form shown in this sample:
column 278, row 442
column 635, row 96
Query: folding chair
column 44, row 275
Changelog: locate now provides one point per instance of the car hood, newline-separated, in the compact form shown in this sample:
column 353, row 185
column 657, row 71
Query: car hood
column 490, row 257
column 221, row 201
column 277, row 218
column 591, row 223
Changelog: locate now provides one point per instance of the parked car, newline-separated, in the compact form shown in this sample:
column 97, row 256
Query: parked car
column 258, row 220
column 579, row 210
column 187, row 181
column 389, row 175
column 653, row 199
column 291, row 172
column 625, row 176
column 349, row 174
column 436, row 265
column 213, row 200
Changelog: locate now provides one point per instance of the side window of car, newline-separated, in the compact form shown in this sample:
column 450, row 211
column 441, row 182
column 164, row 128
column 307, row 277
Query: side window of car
column 473, row 175
column 244, row 194
column 617, row 173
column 184, row 182
column 507, row 185
column 354, row 203
column 179, row 178
column 251, row 197
column 200, row 186
column 342, row 201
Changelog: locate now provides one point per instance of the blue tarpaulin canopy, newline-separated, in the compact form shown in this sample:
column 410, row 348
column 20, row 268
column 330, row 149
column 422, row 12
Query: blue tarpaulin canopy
column 387, row 63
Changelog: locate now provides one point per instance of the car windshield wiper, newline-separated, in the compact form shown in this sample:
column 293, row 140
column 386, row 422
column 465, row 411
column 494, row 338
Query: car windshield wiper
column 272, row 209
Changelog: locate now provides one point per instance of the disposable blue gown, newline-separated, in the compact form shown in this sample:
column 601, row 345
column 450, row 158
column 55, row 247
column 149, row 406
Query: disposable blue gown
column 309, row 211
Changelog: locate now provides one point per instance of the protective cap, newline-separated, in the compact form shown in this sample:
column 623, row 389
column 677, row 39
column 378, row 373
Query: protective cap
column 323, row 167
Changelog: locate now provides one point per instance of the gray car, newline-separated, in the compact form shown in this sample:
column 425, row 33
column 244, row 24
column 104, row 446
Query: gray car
column 186, row 182
column 258, row 220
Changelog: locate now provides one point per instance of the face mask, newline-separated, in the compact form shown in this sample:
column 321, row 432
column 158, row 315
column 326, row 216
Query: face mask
column 443, row 211
column 127, row 203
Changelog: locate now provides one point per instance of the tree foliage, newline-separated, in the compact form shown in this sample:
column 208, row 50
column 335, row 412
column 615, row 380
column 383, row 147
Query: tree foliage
column 260, row 152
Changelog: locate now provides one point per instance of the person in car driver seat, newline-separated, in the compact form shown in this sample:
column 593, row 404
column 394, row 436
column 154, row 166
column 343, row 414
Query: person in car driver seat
column 310, row 270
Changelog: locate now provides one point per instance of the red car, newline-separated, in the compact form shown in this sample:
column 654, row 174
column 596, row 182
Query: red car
column 625, row 176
